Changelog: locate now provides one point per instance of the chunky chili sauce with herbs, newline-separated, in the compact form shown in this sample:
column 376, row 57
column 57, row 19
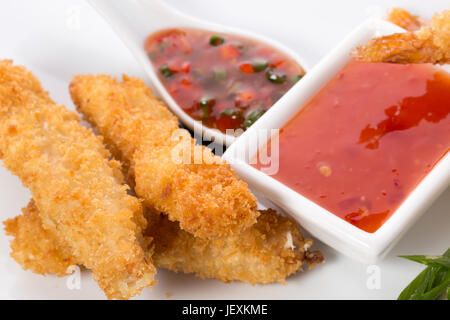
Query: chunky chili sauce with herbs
column 367, row 138
column 223, row 80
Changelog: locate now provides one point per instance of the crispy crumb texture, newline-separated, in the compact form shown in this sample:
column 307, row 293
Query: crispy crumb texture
column 267, row 252
column 404, row 19
column 78, row 191
column 35, row 248
column 206, row 197
column 429, row 44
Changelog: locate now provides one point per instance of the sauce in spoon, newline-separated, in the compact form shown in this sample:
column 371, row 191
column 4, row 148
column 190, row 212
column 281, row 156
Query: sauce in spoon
column 223, row 80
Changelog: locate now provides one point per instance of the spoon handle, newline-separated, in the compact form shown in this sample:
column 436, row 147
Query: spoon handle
column 141, row 17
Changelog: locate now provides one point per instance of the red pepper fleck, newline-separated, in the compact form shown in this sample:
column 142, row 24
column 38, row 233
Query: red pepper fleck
column 229, row 51
column 247, row 95
column 246, row 68
column 185, row 83
column 186, row 67
column 276, row 63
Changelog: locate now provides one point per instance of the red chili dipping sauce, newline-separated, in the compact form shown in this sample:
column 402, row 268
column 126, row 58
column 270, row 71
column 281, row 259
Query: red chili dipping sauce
column 366, row 139
column 225, row 81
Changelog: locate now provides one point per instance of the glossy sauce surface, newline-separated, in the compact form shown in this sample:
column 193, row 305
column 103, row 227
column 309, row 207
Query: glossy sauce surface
column 367, row 138
column 224, row 80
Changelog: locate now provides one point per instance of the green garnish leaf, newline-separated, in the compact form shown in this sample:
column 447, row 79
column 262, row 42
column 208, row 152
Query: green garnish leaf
column 442, row 261
column 259, row 65
column 447, row 253
column 252, row 117
column 433, row 282
column 151, row 55
column 275, row 76
column 413, row 287
column 220, row 74
column 216, row 40
column 165, row 71
column 438, row 291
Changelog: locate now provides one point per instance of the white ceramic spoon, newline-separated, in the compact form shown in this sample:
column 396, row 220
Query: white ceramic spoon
column 135, row 20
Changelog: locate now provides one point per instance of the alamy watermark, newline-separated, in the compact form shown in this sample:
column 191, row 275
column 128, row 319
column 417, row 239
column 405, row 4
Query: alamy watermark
column 373, row 281
column 261, row 148
column 73, row 14
column 73, row 281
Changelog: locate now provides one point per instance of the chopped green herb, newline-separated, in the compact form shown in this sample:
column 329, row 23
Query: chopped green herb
column 294, row 79
column 161, row 46
column 216, row 40
column 230, row 112
column 204, row 105
column 252, row 117
column 259, row 65
column 220, row 74
column 151, row 55
column 275, row 76
column 165, row 71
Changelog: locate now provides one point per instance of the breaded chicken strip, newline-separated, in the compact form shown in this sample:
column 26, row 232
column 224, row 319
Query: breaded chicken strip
column 404, row 19
column 78, row 191
column 430, row 44
column 268, row 251
column 205, row 196
column 36, row 248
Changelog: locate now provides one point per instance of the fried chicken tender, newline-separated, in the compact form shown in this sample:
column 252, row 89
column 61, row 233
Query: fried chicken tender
column 268, row 251
column 206, row 197
column 404, row 19
column 36, row 248
column 78, row 191
column 429, row 44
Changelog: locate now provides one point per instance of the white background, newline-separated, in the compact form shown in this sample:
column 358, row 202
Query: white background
column 57, row 39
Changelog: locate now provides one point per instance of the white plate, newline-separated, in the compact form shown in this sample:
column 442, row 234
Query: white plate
column 57, row 39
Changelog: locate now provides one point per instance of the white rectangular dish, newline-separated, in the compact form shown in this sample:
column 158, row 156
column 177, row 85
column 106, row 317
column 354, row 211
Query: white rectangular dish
column 334, row 231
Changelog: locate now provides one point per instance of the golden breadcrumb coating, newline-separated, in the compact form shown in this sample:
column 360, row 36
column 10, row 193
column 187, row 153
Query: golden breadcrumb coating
column 77, row 189
column 429, row 44
column 404, row 19
column 269, row 251
column 205, row 196
column 35, row 248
